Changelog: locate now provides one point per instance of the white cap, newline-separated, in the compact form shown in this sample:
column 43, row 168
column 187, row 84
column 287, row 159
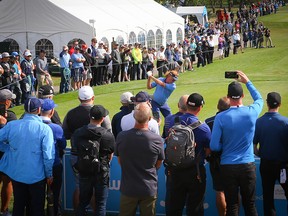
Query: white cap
column 101, row 42
column 126, row 97
column 85, row 93
column 27, row 53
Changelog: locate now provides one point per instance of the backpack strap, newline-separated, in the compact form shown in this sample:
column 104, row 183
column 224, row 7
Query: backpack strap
column 177, row 120
column 195, row 125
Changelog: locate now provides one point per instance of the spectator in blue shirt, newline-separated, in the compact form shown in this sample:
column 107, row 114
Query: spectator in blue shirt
column 188, row 185
column 233, row 132
column 47, row 112
column 271, row 134
column 28, row 158
column 77, row 68
column 65, row 70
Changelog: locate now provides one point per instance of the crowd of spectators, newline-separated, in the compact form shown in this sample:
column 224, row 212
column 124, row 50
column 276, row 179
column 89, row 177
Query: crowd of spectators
column 95, row 64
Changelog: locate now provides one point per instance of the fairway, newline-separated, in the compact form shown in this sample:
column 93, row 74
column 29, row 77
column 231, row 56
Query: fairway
column 267, row 68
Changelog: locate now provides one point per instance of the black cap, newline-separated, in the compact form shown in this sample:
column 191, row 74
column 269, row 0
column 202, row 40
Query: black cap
column 45, row 90
column 235, row 90
column 97, row 112
column 273, row 99
column 195, row 100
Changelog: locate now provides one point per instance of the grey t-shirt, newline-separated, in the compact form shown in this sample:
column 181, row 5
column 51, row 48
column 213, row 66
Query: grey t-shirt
column 139, row 151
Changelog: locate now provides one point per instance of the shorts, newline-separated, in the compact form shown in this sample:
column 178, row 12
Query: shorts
column 87, row 74
column 77, row 74
column 214, row 164
column 193, row 58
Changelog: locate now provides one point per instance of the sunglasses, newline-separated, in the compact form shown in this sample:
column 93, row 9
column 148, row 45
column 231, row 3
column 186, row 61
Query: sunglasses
column 175, row 77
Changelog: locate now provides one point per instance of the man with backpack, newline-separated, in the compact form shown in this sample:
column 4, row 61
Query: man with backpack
column 94, row 146
column 186, row 169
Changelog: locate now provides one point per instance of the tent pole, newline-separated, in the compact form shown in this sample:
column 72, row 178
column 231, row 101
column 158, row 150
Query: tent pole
column 27, row 40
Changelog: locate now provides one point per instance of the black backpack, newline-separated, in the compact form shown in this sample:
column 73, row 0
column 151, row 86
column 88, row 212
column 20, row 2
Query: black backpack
column 88, row 160
column 180, row 145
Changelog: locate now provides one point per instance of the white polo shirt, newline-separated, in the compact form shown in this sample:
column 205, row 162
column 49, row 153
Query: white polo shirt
column 128, row 122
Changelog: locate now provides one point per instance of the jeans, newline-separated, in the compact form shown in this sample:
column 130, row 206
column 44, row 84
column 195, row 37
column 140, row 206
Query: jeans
column 65, row 80
column 116, row 72
column 29, row 195
column 86, row 185
column 186, row 188
column 243, row 177
column 136, row 71
column 270, row 173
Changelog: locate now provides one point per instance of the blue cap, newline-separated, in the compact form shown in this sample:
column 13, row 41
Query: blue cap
column 14, row 54
column 32, row 104
column 141, row 97
column 48, row 104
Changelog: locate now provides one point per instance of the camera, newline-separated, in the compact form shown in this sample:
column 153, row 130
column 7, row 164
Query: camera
column 231, row 74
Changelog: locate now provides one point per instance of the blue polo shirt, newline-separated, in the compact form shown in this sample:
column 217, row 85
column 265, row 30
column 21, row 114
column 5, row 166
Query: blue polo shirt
column 272, row 134
column 161, row 93
column 64, row 59
column 74, row 58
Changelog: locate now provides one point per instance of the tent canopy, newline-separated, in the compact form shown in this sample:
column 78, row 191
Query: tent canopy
column 199, row 11
column 28, row 21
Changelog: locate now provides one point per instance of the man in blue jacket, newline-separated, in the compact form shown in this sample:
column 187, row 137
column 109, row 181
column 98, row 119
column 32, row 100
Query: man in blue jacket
column 28, row 158
column 233, row 133
column 272, row 135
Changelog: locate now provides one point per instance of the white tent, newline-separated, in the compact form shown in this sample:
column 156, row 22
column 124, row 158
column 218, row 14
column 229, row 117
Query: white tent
column 60, row 21
column 199, row 11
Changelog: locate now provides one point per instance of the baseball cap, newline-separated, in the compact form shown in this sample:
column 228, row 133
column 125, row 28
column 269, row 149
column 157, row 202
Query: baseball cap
column 235, row 90
column 126, row 97
column 273, row 99
column 101, row 42
column 14, row 54
column 48, row 104
column 141, row 97
column 32, row 104
column 97, row 112
column 195, row 100
column 6, row 94
column 46, row 90
column 77, row 48
column 84, row 46
column 85, row 93
column 27, row 53
column 5, row 55
column 42, row 51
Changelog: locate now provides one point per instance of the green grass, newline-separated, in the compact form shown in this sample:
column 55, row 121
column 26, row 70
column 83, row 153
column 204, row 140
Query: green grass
column 266, row 68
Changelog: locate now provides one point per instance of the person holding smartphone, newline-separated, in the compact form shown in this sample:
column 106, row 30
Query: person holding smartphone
column 6, row 115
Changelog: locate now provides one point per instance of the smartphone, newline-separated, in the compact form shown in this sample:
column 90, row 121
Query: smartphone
column 231, row 74
column 2, row 109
